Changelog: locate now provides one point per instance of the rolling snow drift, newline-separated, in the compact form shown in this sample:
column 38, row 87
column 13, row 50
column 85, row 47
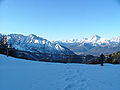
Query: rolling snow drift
column 19, row 74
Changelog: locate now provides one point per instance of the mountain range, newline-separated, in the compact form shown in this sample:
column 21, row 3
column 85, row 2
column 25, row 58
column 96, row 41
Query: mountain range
column 33, row 43
column 94, row 45
column 33, row 47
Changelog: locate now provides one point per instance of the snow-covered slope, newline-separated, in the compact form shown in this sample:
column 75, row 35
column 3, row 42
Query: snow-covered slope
column 19, row 74
column 37, row 44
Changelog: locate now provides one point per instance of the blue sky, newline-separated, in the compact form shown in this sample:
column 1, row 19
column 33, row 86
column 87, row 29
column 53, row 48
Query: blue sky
column 60, row 19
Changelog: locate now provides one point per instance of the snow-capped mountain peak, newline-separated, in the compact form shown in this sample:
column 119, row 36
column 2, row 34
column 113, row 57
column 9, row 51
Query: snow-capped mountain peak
column 69, row 41
column 59, row 47
column 94, row 38
column 115, row 39
column 32, row 35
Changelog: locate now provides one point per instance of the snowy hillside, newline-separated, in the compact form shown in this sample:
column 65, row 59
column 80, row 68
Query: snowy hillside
column 18, row 74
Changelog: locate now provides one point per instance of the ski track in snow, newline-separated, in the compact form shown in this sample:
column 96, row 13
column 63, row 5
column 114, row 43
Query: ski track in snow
column 76, row 80
column 73, row 81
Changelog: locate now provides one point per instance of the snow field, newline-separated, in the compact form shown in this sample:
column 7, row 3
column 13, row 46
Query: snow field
column 19, row 74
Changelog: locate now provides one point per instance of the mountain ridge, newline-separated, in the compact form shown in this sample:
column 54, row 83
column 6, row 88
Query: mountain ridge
column 35, row 44
column 93, row 39
column 94, row 45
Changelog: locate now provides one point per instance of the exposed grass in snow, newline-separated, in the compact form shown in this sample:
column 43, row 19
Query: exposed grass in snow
column 19, row 74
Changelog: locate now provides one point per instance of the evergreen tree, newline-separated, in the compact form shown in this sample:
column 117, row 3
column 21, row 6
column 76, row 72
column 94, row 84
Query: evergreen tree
column 4, row 45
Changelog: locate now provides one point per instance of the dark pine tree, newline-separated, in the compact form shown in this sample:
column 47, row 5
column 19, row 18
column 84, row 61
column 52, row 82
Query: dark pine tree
column 4, row 45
